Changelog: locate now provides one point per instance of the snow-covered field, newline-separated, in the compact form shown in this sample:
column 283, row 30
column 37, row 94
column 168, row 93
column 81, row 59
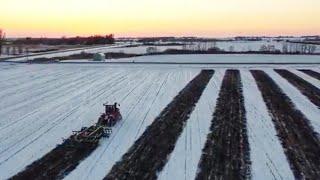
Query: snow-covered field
column 224, row 58
column 43, row 103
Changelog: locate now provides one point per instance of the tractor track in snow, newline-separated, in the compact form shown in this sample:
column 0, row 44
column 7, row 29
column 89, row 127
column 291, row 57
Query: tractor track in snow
column 20, row 75
column 300, row 142
column 311, row 73
column 60, row 118
column 69, row 86
column 28, row 79
column 226, row 151
column 97, row 94
column 60, row 161
column 307, row 89
column 54, row 123
column 147, row 94
column 41, row 84
column 149, row 153
column 75, row 84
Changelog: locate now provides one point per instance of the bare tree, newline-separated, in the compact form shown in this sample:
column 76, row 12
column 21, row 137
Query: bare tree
column 8, row 50
column 231, row 49
column 285, row 48
column 2, row 36
column 20, row 49
column 14, row 50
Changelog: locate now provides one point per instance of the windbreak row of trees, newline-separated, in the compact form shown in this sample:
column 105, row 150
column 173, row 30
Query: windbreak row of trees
column 91, row 40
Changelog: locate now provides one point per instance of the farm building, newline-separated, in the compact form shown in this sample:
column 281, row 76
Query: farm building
column 99, row 57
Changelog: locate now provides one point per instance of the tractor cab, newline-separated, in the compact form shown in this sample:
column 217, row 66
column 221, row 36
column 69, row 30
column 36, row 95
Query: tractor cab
column 109, row 109
column 111, row 115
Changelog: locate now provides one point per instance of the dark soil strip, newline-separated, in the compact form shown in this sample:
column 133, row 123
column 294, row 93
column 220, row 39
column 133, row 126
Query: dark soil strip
column 226, row 152
column 57, row 163
column 307, row 89
column 150, row 152
column 298, row 139
column 311, row 73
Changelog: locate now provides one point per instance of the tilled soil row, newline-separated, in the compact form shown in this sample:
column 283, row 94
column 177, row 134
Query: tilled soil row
column 300, row 142
column 57, row 163
column 150, row 152
column 307, row 89
column 311, row 73
column 226, row 153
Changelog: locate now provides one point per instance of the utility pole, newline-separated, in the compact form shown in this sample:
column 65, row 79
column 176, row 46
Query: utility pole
column 2, row 36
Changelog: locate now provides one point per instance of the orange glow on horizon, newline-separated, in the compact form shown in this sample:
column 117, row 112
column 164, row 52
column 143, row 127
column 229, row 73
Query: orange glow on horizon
column 210, row 18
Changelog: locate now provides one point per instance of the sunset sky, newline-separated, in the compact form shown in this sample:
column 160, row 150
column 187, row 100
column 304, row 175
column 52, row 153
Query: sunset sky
column 210, row 18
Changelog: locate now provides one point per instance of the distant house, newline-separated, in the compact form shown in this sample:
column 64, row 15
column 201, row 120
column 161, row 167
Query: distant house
column 268, row 48
column 99, row 57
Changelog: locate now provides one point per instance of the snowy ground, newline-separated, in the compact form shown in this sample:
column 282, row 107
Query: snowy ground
column 266, row 153
column 43, row 103
column 224, row 58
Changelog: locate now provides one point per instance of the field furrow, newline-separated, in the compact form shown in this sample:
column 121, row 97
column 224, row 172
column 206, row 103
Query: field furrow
column 311, row 73
column 315, row 82
column 306, row 88
column 296, row 134
column 184, row 159
column 149, row 153
column 226, row 152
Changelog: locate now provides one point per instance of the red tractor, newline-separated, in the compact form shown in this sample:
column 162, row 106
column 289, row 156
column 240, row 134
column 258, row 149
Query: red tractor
column 103, row 128
column 111, row 116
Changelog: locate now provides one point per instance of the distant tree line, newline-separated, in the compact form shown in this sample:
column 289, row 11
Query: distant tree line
column 91, row 40
column 155, row 39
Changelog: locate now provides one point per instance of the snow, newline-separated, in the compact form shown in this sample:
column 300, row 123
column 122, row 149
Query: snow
column 42, row 105
column 224, row 58
column 301, row 102
column 183, row 162
column 266, row 153
column 5, row 56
